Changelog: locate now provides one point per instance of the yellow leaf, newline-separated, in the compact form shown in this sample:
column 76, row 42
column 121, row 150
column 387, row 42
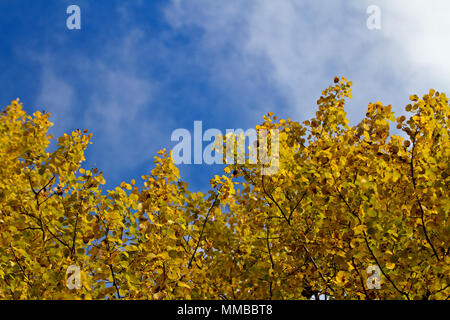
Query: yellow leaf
column 360, row 229
column 390, row 265
column 184, row 285
column 340, row 277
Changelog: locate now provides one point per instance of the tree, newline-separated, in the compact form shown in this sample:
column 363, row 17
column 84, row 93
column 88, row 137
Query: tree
column 344, row 198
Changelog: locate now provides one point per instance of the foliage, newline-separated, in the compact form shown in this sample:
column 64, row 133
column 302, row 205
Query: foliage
column 344, row 198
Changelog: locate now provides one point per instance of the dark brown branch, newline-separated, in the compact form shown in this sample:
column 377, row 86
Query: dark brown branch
column 381, row 269
column 74, row 237
column 274, row 201
column 360, row 278
column 289, row 224
column 295, row 207
column 203, row 229
column 59, row 240
column 114, row 281
column 46, row 185
column 20, row 266
column 45, row 200
column 352, row 212
column 271, row 260
column 422, row 213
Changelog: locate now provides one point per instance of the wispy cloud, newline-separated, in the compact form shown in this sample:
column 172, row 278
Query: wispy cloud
column 418, row 37
column 109, row 95
column 56, row 96
column 229, row 62
column 300, row 45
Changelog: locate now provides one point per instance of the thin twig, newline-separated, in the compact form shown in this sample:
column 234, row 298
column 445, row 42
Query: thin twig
column 203, row 228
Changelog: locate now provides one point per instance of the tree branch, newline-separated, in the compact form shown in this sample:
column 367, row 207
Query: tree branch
column 114, row 281
column 203, row 228
column 422, row 213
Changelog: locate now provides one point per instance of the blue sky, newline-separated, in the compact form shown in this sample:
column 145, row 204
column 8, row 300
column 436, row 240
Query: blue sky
column 137, row 70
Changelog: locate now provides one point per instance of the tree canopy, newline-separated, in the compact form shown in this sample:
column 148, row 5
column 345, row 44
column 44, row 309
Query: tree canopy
column 344, row 198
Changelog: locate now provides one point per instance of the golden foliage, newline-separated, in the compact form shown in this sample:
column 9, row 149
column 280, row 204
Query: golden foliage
column 344, row 198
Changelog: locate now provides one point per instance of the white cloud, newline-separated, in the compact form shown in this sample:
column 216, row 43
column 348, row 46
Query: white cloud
column 420, row 30
column 56, row 97
column 300, row 45
column 266, row 55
